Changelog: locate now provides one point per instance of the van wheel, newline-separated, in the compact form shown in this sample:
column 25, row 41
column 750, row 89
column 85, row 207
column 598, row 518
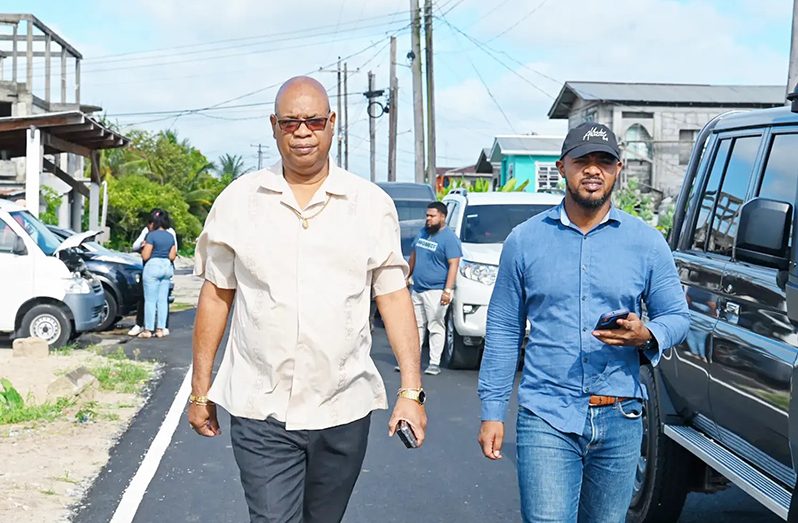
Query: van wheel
column 110, row 311
column 47, row 322
column 456, row 354
column 664, row 471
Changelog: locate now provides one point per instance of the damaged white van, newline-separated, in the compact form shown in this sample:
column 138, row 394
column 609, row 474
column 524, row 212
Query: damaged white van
column 44, row 290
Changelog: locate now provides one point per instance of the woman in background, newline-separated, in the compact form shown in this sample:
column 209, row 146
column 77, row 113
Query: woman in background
column 158, row 253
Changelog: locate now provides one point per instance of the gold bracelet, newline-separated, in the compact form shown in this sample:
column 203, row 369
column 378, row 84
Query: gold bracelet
column 202, row 401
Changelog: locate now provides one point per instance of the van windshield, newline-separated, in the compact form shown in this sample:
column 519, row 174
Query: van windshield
column 46, row 240
column 493, row 223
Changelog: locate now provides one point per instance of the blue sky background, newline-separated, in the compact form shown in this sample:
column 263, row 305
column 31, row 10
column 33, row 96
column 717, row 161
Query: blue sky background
column 161, row 55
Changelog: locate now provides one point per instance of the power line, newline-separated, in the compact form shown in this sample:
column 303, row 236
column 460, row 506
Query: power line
column 519, row 21
column 495, row 101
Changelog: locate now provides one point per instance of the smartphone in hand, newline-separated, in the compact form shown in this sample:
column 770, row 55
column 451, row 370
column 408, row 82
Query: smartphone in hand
column 406, row 435
column 609, row 320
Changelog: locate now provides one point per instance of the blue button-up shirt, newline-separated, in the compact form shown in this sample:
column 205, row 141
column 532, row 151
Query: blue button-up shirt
column 562, row 281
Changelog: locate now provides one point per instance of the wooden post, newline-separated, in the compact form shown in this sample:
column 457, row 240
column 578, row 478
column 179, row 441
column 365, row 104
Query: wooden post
column 346, row 119
column 393, row 115
column 418, row 102
column 372, row 137
column 338, row 116
column 792, row 74
column 431, row 149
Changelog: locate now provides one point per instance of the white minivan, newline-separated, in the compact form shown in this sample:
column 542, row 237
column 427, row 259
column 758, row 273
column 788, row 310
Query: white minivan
column 44, row 292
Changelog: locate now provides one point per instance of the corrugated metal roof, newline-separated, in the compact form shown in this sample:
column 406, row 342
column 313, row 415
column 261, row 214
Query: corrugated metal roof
column 525, row 144
column 668, row 94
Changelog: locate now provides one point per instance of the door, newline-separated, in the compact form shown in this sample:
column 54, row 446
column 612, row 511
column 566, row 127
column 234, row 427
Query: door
column 16, row 277
column 756, row 345
column 687, row 365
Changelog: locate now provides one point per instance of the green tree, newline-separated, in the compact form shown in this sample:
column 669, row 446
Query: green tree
column 130, row 199
column 230, row 166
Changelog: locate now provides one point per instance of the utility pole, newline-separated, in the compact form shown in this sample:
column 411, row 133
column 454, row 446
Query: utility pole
column 393, row 115
column 792, row 75
column 346, row 119
column 371, row 95
column 418, row 102
column 339, row 134
column 431, row 150
column 260, row 156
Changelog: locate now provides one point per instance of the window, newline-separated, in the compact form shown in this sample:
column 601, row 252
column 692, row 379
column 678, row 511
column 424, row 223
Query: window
column 451, row 217
column 732, row 195
column 44, row 238
column 710, row 194
column 686, row 141
column 781, row 171
column 7, row 238
column 492, row 223
column 639, row 143
column 548, row 176
column 590, row 116
column 411, row 210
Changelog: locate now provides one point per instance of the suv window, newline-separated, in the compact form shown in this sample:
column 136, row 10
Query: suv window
column 710, row 194
column 451, row 215
column 493, row 223
column 7, row 238
column 732, row 194
column 780, row 180
column 411, row 209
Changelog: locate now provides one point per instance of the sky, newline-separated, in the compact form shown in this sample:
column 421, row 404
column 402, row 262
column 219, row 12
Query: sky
column 498, row 65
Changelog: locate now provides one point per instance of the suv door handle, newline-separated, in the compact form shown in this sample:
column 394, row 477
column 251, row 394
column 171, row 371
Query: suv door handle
column 731, row 312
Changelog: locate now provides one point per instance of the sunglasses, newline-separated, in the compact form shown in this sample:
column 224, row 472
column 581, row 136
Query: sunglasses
column 290, row 125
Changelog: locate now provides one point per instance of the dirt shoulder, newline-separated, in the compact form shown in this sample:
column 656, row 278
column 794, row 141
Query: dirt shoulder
column 47, row 463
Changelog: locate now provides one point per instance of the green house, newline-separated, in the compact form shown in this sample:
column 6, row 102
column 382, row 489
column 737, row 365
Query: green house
column 527, row 157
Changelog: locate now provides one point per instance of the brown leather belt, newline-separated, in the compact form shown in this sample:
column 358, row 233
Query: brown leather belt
column 603, row 401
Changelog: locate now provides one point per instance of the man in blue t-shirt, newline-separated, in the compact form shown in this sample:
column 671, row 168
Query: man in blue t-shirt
column 433, row 266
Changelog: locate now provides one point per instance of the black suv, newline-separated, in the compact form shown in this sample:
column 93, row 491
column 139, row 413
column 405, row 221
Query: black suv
column 119, row 272
column 721, row 405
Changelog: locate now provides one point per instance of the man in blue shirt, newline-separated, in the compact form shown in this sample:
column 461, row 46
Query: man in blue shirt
column 579, row 426
column 433, row 265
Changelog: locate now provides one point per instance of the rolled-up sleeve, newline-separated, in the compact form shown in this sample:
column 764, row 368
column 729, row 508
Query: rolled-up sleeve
column 669, row 316
column 214, row 258
column 505, row 333
column 388, row 266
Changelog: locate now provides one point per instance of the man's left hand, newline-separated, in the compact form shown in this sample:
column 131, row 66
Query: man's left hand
column 446, row 298
column 631, row 332
column 413, row 413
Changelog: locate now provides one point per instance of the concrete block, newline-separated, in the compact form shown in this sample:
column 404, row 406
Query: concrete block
column 30, row 348
column 78, row 382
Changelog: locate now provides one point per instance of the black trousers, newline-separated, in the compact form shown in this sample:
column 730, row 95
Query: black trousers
column 298, row 476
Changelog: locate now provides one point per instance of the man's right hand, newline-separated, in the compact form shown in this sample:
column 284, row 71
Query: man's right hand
column 202, row 419
column 491, row 435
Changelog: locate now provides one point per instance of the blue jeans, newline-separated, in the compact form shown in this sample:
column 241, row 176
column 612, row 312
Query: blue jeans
column 585, row 477
column 157, row 272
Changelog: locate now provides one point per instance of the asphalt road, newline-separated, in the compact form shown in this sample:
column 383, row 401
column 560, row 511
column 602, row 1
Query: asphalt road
column 446, row 481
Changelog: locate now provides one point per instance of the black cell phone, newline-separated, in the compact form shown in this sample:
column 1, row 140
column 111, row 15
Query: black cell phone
column 406, row 435
column 609, row 320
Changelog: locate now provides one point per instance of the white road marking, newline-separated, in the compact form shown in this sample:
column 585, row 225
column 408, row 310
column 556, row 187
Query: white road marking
column 131, row 499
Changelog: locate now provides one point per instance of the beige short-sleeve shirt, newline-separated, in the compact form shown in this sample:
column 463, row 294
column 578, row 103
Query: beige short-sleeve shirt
column 299, row 342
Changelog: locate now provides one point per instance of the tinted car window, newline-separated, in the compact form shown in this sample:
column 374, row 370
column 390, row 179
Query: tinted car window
column 7, row 238
column 492, row 223
column 46, row 240
column 710, row 195
column 409, row 191
column 780, row 180
column 732, row 195
column 411, row 210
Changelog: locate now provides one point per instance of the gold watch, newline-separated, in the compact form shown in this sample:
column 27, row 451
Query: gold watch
column 417, row 395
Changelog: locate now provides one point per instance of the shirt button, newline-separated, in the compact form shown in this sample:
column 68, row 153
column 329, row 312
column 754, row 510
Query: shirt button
column 584, row 268
column 584, row 298
column 584, row 360
column 587, row 389
column 584, row 329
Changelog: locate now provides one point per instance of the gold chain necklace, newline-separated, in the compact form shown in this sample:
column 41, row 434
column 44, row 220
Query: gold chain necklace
column 304, row 219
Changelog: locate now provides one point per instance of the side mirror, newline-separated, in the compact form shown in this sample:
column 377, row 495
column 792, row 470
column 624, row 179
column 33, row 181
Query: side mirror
column 764, row 233
column 19, row 247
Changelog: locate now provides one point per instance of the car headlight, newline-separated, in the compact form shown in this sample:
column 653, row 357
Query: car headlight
column 481, row 272
column 78, row 285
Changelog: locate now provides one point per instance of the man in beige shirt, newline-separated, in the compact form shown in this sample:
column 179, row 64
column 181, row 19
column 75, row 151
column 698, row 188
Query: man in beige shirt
column 299, row 249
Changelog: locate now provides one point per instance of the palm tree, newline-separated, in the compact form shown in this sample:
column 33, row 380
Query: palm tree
column 230, row 166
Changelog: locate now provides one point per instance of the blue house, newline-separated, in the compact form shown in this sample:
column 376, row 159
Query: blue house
column 527, row 157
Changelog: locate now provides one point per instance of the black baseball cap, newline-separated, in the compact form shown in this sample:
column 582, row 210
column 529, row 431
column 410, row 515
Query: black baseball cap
column 590, row 138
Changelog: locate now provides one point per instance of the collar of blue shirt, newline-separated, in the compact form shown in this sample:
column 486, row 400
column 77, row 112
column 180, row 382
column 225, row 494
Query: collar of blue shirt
column 558, row 214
